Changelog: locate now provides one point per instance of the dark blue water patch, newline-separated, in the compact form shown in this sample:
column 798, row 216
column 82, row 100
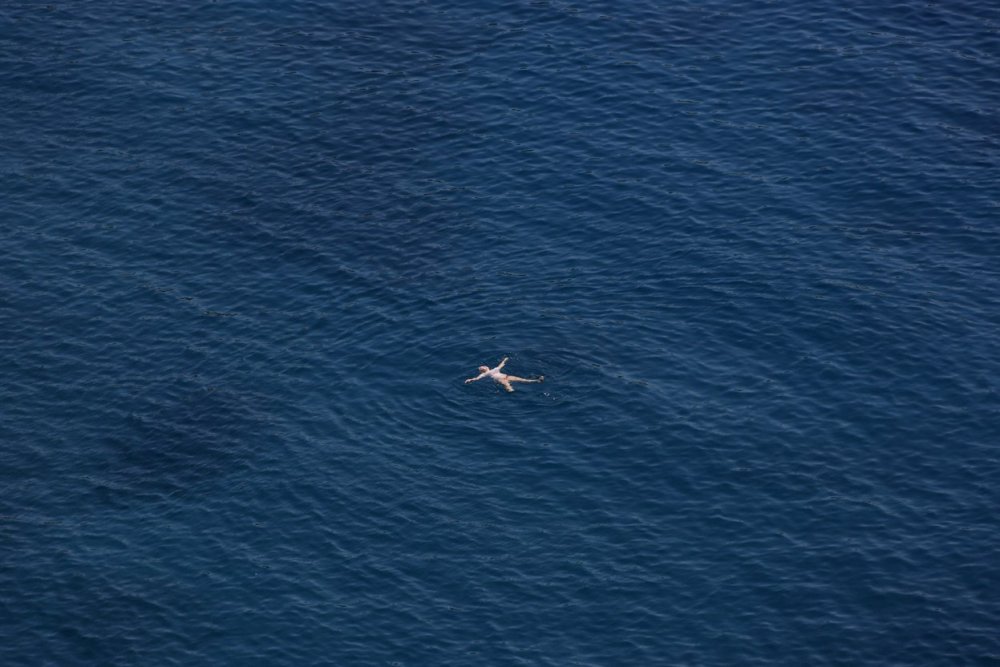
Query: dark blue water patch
column 252, row 252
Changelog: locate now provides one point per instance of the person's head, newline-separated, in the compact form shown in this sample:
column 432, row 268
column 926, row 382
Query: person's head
column 483, row 369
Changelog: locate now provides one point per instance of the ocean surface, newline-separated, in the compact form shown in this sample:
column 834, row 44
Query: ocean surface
column 252, row 249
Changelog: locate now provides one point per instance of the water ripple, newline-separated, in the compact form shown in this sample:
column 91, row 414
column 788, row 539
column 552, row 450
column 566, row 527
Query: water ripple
column 252, row 252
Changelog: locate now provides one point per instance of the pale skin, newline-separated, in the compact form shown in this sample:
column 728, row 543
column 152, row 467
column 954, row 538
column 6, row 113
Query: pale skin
column 502, row 378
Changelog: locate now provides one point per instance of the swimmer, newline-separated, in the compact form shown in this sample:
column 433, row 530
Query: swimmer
column 502, row 378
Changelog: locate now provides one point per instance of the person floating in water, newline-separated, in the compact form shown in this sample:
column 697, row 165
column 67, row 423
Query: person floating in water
column 502, row 378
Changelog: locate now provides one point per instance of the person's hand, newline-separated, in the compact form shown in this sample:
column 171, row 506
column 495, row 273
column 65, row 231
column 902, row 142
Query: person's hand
column 468, row 381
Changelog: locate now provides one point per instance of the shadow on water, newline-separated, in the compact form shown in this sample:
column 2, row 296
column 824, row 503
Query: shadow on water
column 177, row 439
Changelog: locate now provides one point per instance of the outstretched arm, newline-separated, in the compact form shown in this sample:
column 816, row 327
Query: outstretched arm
column 500, row 367
column 478, row 377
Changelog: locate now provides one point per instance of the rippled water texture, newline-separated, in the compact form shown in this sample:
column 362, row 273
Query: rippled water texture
column 251, row 250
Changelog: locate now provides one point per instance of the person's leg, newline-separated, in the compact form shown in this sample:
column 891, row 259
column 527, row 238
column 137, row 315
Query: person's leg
column 506, row 383
column 514, row 378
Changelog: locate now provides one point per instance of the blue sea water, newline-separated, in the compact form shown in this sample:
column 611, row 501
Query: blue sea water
column 251, row 250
